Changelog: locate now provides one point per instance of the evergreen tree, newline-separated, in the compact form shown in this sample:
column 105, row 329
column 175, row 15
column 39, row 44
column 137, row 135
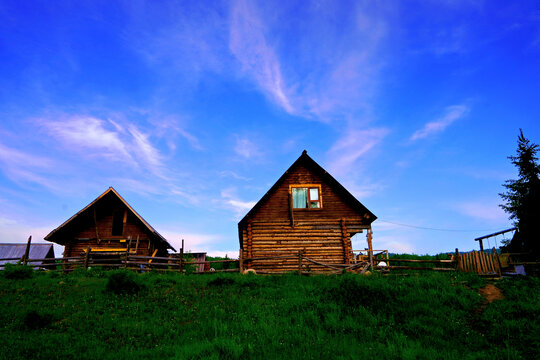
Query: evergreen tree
column 522, row 198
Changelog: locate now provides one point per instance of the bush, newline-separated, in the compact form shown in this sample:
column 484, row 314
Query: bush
column 33, row 320
column 123, row 282
column 15, row 271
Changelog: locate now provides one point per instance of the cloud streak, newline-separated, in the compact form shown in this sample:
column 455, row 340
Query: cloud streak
column 352, row 146
column 95, row 138
column 26, row 168
column 432, row 128
column 249, row 45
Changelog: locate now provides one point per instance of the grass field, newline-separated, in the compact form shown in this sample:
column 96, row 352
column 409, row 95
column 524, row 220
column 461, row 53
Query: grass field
column 119, row 315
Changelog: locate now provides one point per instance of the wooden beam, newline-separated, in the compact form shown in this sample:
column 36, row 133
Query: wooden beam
column 137, row 245
column 495, row 234
column 241, row 261
column 182, row 256
column 249, row 242
column 27, row 250
column 86, row 257
column 154, row 254
column 370, row 246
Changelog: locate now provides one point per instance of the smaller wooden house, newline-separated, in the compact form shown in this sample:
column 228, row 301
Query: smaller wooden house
column 109, row 224
column 306, row 210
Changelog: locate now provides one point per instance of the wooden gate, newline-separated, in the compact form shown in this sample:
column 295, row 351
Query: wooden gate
column 479, row 262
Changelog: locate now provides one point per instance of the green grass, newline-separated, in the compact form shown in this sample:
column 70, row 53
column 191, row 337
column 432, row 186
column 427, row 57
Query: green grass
column 111, row 315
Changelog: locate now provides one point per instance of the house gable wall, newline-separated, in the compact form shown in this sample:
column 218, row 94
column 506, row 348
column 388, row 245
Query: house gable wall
column 323, row 235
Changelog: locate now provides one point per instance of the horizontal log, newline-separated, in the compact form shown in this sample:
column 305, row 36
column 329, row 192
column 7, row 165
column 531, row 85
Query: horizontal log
column 418, row 260
column 318, row 263
column 153, row 257
column 414, row 268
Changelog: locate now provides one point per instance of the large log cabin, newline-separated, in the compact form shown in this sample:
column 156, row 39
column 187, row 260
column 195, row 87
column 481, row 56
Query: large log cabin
column 305, row 210
column 109, row 224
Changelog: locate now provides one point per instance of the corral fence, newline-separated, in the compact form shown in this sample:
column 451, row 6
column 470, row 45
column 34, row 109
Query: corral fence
column 479, row 262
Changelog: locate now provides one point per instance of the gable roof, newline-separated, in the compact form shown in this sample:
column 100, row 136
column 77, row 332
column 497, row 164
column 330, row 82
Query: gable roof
column 309, row 163
column 37, row 251
column 111, row 190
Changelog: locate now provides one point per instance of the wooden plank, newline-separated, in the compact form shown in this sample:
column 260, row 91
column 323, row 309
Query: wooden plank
column 153, row 255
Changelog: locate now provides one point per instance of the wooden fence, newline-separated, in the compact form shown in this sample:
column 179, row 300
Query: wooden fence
column 482, row 263
column 479, row 262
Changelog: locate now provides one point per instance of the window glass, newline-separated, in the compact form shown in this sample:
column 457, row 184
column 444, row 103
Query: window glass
column 314, row 204
column 300, row 198
column 314, row 194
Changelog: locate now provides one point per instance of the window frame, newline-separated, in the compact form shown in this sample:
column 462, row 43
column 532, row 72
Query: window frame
column 308, row 187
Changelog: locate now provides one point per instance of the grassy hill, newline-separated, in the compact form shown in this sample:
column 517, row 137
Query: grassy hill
column 124, row 315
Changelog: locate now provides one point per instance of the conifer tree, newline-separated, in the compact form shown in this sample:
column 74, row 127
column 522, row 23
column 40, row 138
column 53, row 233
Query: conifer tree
column 522, row 199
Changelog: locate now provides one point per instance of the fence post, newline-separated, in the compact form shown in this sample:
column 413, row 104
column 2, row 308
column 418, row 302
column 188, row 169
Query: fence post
column 457, row 259
column 497, row 261
column 182, row 257
column 370, row 246
column 299, row 262
column 86, row 256
column 27, row 251
column 126, row 256
column 240, row 261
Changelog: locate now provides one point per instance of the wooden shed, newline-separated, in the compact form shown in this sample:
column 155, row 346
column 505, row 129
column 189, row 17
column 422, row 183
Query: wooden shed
column 305, row 210
column 109, row 224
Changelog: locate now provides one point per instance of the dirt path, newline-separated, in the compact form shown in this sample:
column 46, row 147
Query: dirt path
column 490, row 293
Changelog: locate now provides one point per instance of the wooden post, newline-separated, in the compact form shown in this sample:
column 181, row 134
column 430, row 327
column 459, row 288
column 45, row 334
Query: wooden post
column 497, row 261
column 370, row 246
column 249, row 243
column 481, row 245
column 240, row 261
column 137, row 245
column 458, row 260
column 126, row 256
column 345, row 240
column 27, row 250
column 182, row 257
column 299, row 262
column 86, row 256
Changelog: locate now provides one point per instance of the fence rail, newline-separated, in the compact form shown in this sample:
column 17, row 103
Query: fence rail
column 479, row 262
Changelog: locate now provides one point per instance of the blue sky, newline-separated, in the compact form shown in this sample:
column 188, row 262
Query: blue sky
column 192, row 110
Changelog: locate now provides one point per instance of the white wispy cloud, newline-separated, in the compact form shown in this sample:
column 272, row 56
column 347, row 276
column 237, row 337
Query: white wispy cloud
column 86, row 132
column 94, row 138
column 147, row 151
column 233, row 202
column 353, row 145
column 26, row 167
column 482, row 210
column 324, row 76
column 234, row 175
column 452, row 113
column 248, row 43
column 246, row 148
